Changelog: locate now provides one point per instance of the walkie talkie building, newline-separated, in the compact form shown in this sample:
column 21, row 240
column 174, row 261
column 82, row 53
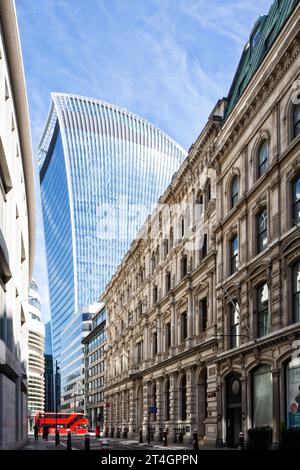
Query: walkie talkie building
column 101, row 170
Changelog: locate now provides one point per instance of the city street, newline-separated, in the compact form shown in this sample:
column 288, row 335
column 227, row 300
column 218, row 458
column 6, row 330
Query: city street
column 78, row 443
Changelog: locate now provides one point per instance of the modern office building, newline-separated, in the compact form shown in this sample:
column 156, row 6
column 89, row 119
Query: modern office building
column 36, row 349
column 17, row 232
column 94, row 369
column 49, row 377
column 210, row 338
column 72, row 359
column 101, row 170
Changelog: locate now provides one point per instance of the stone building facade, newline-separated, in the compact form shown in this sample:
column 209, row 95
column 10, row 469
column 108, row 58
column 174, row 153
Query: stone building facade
column 94, row 372
column 203, row 314
column 17, row 233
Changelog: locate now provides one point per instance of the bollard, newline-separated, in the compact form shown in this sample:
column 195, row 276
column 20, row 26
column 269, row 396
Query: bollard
column 141, row 436
column 87, row 442
column 125, row 433
column 69, row 440
column 195, row 441
column 57, row 439
column 165, row 441
column 241, row 441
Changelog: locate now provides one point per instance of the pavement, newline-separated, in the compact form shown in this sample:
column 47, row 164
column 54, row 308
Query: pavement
column 78, row 443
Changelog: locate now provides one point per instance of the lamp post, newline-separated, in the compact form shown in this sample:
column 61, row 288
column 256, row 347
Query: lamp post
column 56, row 430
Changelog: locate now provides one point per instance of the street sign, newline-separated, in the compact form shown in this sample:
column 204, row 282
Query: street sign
column 153, row 409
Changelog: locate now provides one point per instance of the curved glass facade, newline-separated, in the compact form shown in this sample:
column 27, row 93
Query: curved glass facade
column 102, row 169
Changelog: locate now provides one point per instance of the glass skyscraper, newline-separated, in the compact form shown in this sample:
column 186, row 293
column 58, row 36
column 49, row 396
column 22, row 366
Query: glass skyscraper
column 102, row 168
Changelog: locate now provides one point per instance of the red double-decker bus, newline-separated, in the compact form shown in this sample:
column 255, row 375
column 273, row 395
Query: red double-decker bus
column 77, row 423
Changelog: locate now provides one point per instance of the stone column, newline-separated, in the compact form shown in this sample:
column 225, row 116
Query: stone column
column 243, row 381
column 146, row 404
column 159, row 403
column 276, row 409
column 106, row 418
column 159, row 336
column 173, row 326
column 118, row 415
column 190, row 312
column 191, row 419
column 173, row 404
column 146, row 351
column 132, row 428
column 211, row 319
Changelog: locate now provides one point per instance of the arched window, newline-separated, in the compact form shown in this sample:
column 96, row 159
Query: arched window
column 234, row 194
column 262, row 230
column 183, row 398
column 262, row 306
column 296, row 292
column 296, row 201
column 262, row 158
column 296, row 121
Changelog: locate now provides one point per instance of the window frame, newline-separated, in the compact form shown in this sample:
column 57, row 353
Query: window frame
column 295, row 124
column 262, row 166
column 234, row 257
column 183, row 327
column 234, row 196
column 261, row 310
column 235, row 339
column 295, row 293
column 259, row 233
column 295, row 201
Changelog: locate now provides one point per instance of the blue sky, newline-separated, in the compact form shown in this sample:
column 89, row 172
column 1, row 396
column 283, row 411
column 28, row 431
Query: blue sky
column 169, row 61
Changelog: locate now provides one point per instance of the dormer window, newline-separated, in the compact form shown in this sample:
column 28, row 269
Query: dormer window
column 255, row 37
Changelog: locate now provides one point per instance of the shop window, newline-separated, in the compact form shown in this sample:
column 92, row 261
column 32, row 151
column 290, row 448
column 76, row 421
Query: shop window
column 262, row 397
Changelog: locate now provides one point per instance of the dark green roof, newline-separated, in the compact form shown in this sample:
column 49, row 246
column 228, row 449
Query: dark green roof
column 263, row 35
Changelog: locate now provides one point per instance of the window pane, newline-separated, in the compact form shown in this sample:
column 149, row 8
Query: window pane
column 293, row 393
column 234, row 255
column 262, row 397
column 297, row 190
column 296, row 124
column 297, row 113
column 263, row 158
column 262, row 224
column 234, row 191
column 296, row 292
column 262, row 310
column 234, row 325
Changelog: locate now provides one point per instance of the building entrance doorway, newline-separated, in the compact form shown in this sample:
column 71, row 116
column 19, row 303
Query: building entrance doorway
column 233, row 410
